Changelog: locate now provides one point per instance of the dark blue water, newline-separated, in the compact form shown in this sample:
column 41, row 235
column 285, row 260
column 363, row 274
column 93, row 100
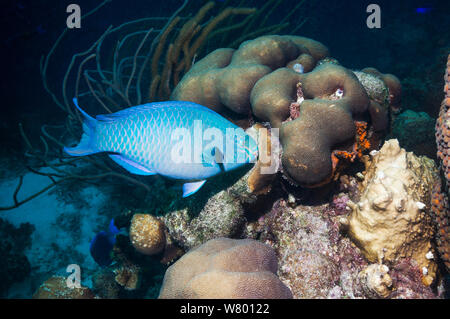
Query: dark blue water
column 412, row 43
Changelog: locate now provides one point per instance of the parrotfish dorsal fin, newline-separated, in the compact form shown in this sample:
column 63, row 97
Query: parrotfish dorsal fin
column 124, row 113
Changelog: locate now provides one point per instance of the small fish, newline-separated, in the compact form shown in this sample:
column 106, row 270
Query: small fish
column 102, row 245
column 424, row 10
column 177, row 139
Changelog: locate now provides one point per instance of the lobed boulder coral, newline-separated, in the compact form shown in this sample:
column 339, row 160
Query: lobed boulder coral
column 392, row 219
column 225, row 268
column 266, row 75
column 225, row 78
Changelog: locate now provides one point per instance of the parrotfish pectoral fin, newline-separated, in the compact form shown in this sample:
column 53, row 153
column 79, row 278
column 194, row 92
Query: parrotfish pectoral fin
column 192, row 188
column 85, row 146
column 131, row 166
column 212, row 156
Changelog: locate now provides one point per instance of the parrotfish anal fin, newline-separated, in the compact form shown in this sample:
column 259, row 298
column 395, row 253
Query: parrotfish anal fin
column 131, row 166
column 192, row 188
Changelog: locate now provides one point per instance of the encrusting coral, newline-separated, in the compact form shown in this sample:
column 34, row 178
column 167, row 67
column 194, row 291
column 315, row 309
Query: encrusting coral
column 222, row 215
column 56, row 288
column 127, row 276
column 393, row 85
column 266, row 75
column 392, row 219
column 225, row 268
column 407, row 280
column 314, row 259
column 440, row 202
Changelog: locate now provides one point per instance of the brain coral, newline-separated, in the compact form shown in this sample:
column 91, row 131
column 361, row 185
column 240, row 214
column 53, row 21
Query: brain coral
column 225, row 268
column 392, row 220
column 263, row 77
column 440, row 196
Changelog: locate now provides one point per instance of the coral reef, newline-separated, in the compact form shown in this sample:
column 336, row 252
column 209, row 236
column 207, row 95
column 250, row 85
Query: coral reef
column 443, row 127
column 130, row 64
column 225, row 268
column 14, row 266
column 132, row 274
column 441, row 192
column 56, row 288
column 315, row 261
column 392, row 219
column 258, row 180
column 262, row 77
column 221, row 216
column 440, row 207
column 225, row 78
column 394, row 89
column 407, row 279
column 127, row 276
column 222, row 213
column 105, row 286
column 147, row 234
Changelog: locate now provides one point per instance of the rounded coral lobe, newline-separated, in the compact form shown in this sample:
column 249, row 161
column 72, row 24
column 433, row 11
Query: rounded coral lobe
column 225, row 268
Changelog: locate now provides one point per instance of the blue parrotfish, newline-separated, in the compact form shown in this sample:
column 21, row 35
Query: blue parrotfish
column 177, row 139
column 102, row 245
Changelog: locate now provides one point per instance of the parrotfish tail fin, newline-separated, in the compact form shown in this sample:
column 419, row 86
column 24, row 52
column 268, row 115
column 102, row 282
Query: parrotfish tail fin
column 85, row 146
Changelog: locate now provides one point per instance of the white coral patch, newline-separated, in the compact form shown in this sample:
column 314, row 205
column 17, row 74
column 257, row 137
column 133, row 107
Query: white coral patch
column 381, row 175
column 424, row 271
column 420, row 205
